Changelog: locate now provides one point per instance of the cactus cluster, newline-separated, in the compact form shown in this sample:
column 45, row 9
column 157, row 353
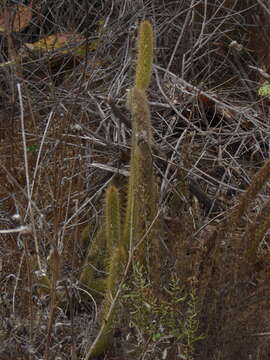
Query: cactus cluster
column 124, row 231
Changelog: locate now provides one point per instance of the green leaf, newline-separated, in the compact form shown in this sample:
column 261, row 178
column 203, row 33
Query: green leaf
column 31, row 148
column 264, row 90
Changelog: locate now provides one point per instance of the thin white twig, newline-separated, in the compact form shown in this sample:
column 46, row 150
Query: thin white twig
column 28, row 187
column 24, row 229
column 39, row 151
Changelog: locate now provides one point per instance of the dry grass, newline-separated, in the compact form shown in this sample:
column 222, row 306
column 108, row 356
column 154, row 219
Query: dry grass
column 61, row 143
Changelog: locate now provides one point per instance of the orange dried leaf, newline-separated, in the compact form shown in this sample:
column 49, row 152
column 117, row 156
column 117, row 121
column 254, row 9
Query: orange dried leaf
column 15, row 18
column 56, row 42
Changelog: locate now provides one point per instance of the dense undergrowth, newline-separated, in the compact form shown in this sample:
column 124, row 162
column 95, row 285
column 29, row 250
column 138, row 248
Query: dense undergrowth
column 166, row 259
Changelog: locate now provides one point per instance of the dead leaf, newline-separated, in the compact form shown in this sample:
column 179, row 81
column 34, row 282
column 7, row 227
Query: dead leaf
column 15, row 18
column 65, row 42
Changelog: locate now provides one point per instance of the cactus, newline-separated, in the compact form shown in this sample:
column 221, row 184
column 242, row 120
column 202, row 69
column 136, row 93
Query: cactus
column 141, row 201
column 142, row 192
column 112, row 218
column 116, row 264
column 145, row 56
column 250, row 194
column 94, row 264
column 109, row 306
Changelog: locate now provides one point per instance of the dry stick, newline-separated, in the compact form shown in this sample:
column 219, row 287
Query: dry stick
column 30, row 295
column 187, row 19
column 23, row 228
column 195, row 91
column 55, row 277
column 17, row 278
column 119, row 113
column 71, row 298
column 170, row 162
column 29, row 197
column 48, row 122
column 29, row 194
column 80, row 209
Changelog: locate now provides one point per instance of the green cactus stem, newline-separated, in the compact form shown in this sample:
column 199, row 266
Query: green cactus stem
column 145, row 56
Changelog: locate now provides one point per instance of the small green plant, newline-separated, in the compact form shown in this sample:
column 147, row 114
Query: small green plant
column 158, row 318
column 264, row 89
column 32, row 148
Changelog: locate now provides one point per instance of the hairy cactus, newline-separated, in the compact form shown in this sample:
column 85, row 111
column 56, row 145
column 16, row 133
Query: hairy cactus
column 141, row 202
column 93, row 265
column 145, row 56
column 116, row 263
